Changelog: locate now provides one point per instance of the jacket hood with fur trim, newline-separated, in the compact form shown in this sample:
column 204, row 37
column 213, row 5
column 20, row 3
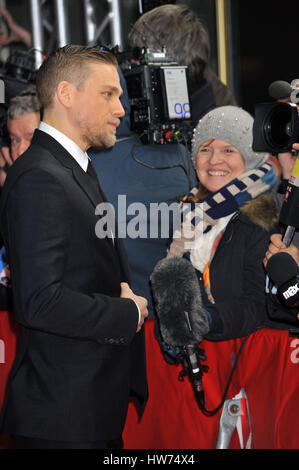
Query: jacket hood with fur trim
column 261, row 211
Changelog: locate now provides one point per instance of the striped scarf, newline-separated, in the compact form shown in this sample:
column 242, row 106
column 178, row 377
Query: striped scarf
column 204, row 222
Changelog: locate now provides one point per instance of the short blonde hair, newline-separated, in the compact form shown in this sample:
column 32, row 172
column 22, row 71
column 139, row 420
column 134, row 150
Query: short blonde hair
column 70, row 63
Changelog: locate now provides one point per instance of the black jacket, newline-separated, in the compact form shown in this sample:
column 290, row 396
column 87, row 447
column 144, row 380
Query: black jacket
column 237, row 274
column 79, row 357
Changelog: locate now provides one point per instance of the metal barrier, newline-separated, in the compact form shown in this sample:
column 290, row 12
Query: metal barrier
column 92, row 31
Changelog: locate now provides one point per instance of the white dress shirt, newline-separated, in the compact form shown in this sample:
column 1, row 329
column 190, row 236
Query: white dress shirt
column 72, row 148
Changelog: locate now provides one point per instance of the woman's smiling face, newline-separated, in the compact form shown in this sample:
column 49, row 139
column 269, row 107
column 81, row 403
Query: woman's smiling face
column 218, row 163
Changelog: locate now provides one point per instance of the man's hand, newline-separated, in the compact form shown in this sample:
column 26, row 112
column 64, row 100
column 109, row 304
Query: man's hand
column 126, row 292
column 277, row 246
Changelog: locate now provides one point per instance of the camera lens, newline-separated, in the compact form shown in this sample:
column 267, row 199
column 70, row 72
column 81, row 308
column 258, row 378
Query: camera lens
column 279, row 127
column 275, row 127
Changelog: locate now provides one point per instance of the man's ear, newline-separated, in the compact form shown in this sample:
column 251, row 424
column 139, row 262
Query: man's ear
column 65, row 93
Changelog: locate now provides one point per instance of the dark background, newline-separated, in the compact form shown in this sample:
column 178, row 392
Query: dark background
column 262, row 47
column 265, row 45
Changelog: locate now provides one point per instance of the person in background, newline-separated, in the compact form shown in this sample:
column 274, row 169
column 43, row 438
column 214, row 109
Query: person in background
column 286, row 161
column 18, row 34
column 23, row 117
column 186, row 39
column 277, row 309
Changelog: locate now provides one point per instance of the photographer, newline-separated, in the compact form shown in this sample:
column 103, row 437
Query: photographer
column 286, row 160
column 278, row 308
column 23, row 118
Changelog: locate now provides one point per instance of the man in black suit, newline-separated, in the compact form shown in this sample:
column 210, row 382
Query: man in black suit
column 81, row 346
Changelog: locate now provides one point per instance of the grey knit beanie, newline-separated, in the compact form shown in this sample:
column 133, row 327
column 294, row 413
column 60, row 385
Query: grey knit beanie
column 233, row 125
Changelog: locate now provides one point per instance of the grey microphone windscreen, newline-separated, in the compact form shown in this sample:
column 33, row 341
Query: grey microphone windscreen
column 178, row 302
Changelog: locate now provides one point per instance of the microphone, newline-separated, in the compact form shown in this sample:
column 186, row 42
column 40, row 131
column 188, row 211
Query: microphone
column 280, row 90
column 284, row 272
column 182, row 319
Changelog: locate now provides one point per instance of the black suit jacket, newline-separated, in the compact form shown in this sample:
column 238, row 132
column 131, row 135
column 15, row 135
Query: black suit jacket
column 79, row 356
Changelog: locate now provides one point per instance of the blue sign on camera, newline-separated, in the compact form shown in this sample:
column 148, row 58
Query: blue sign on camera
column 182, row 110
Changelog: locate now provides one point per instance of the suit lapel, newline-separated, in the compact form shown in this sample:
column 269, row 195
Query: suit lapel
column 87, row 186
column 92, row 190
column 66, row 159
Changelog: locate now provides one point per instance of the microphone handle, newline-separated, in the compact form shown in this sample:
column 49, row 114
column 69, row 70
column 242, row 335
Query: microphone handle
column 195, row 366
column 289, row 209
column 288, row 235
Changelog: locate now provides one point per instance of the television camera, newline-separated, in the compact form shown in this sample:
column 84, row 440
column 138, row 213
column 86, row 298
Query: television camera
column 158, row 94
column 276, row 125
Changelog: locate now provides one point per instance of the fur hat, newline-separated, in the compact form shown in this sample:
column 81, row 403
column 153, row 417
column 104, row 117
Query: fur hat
column 233, row 125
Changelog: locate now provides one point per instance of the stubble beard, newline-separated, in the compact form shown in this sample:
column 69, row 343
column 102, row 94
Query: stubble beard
column 100, row 140
column 97, row 138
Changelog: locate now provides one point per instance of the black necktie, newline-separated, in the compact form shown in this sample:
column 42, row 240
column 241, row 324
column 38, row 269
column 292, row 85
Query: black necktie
column 92, row 172
column 94, row 177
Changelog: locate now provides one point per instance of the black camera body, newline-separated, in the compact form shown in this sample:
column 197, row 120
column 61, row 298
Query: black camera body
column 159, row 96
column 276, row 125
